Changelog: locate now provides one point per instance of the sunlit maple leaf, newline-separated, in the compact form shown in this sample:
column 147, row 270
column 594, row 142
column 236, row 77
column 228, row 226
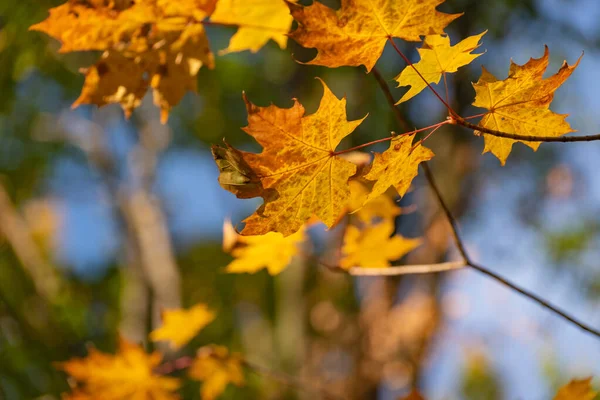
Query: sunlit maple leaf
column 437, row 58
column 372, row 247
column 299, row 164
column 356, row 33
column 149, row 44
column 129, row 374
column 180, row 326
column 258, row 21
column 380, row 207
column 216, row 368
column 272, row 251
column 397, row 166
column 577, row 390
column 520, row 104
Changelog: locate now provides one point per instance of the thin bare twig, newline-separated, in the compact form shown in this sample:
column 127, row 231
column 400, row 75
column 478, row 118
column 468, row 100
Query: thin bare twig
column 408, row 269
column 461, row 247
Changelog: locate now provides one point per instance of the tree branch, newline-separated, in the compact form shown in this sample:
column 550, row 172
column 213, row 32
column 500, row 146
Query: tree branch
column 526, row 138
column 460, row 244
column 408, row 269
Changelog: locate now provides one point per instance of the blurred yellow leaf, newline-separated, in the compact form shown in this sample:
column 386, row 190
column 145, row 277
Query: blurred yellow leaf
column 126, row 375
column 216, row 368
column 272, row 251
column 397, row 166
column 180, row 326
column 413, row 395
column 152, row 43
column 437, row 58
column 373, row 247
column 381, row 207
column 258, row 21
column 577, row 390
column 520, row 104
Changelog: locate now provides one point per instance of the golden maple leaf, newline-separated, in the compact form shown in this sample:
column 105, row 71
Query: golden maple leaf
column 356, row 33
column 520, row 104
column 380, row 207
column 129, row 374
column 216, row 368
column 272, row 251
column 180, row 326
column 397, row 166
column 577, row 390
column 299, row 163
column 258, row 20
column 437, row 58
column 373, row 247
column 153, row 43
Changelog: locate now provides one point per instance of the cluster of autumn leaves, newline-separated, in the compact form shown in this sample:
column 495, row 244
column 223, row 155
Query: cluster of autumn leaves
column 300, row 173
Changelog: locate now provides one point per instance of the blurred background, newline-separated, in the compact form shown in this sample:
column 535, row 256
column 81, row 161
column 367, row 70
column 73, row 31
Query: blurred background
column 105, row 221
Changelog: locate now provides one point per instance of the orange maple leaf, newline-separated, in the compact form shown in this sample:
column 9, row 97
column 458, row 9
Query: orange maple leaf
column 215, row 367
column 299, row 165
column 129, row 374
column 520, row 104
column 356, row 33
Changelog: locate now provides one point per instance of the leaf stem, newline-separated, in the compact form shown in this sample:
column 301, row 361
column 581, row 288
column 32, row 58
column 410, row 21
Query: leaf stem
column 413, row 132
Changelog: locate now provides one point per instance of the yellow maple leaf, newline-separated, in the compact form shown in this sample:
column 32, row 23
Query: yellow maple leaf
column 373, row 247
column 216, row 368
column 397, row 166
column 272, row 251
column 129, row 374
column 258, row 20
column 180, row 326
column 577, row 390
column 437, row 58
column 299, row 164
column 380, row 207
column 520, row 104
column 153, row 43
column 356, row 33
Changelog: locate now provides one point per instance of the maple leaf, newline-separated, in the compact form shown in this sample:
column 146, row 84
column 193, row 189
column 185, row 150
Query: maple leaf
column 437, row 58
column 373, row 247
column 577, row 390
column 216, row 368
column 397, row 166
column 154, row 43
column 272, row 251
column 520, row 104
column 235, row 175
column 258, row 20
column 180, row 326
column 356, row 33
column 380, row 207
column 126, row 375
column 299, row 163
